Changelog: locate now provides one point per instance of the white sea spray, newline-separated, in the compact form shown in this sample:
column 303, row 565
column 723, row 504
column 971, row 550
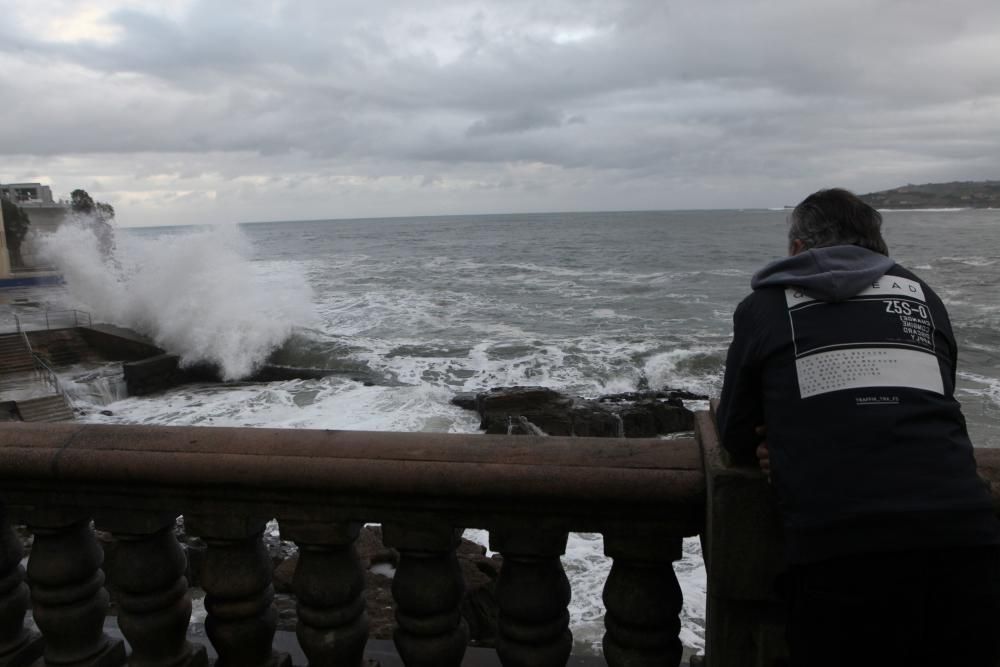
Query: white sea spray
column 196, row 294
column 694, row 368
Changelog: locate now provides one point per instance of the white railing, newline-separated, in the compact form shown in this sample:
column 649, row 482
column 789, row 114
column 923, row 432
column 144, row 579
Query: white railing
column 45, row 372
column 53, row 319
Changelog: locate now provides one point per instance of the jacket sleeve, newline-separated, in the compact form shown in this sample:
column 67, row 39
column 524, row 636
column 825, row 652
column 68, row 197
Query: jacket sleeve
column 741, row 407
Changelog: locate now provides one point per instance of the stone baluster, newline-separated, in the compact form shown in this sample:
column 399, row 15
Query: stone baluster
column 428, row 589
column 643, row 602
column 236, row 577
column 67, row 593
column 18, row 645
column 533, row 595
column 329, row 583
column 147, row 576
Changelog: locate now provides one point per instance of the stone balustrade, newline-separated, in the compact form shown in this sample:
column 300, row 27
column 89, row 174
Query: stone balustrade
column 63, row 480
column 644, row 496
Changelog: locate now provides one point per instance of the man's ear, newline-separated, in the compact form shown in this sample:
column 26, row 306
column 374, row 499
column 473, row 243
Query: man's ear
column 795, row 247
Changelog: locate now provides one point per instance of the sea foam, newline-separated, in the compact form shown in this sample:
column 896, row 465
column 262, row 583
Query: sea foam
column 195, row 293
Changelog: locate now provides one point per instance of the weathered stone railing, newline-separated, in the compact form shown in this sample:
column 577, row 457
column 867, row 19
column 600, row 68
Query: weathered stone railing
column 642, row 495
column 133, row 481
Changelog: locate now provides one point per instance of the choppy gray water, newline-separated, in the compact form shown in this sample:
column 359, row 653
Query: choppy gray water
column 602, row 301
column 587, row 303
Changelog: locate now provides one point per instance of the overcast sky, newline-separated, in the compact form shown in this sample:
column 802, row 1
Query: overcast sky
column 212, row 111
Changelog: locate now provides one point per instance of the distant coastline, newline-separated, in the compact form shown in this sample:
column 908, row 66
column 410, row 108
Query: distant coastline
column 954, row 195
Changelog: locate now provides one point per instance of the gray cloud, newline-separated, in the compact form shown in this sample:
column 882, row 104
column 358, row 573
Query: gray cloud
column 403, row 107
column 521, row 120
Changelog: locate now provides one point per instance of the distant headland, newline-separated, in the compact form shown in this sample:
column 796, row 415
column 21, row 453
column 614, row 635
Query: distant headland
column 958, row 194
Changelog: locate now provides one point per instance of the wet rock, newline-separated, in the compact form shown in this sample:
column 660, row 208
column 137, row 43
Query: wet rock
column 109, row 545
column 521, row 425
column 547, row 409
column 500, row 411
column 465, row 400
column 542, row 411
column 670, row 418
column 381, row 611
column 372, row 551
column 674, row 396
column 479, row 606
column 195, row 550
column 284, row 573
column 638, row 421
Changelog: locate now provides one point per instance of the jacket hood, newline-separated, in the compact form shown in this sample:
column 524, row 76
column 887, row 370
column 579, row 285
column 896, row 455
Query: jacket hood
column 834, row 273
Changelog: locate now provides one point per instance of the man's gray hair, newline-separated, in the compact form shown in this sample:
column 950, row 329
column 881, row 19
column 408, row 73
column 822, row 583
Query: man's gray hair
column 836, row 217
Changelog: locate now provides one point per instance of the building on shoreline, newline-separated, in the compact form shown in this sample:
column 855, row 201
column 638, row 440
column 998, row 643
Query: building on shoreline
column 46, row 215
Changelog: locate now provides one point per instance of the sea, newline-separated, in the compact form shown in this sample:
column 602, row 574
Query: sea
column 427, row 307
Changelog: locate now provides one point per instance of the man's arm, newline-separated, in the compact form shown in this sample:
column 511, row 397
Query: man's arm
column 741, row 409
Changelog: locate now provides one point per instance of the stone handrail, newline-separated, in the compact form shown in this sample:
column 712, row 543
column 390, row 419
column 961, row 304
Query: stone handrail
column 644, row 496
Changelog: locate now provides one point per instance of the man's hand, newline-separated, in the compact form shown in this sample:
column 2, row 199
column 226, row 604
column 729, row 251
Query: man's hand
column 763, row 456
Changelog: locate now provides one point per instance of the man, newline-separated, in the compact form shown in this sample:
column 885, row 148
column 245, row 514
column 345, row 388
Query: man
column 846, row 361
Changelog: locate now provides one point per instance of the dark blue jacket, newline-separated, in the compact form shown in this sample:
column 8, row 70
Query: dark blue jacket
column 849, row 360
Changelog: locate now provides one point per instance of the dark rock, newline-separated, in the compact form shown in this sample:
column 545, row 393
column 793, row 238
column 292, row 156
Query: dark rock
column 107, row 413
column 545, row 408
column 283, row 574
column 479, row 606
column 671, row 418
column 372, row 551
column 109, row 545
column 543, row 411
column 277, row 548
column 381, row 610
column 674, row 395
column 684, row 395
column 590, row 419
column 629, row 396
column 195, row 551
column 554, row 413
column 638, row 420
column 521, row 425
column 465, row 400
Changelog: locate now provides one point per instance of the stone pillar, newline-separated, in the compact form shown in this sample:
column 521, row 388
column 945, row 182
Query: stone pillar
column 236, row 577
column 533, row 595
column 152, row 593
column 428, row 589
column 643, row 602
column 67, row 593
column 18, row 646
column 743, row 546
column 329, row 583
